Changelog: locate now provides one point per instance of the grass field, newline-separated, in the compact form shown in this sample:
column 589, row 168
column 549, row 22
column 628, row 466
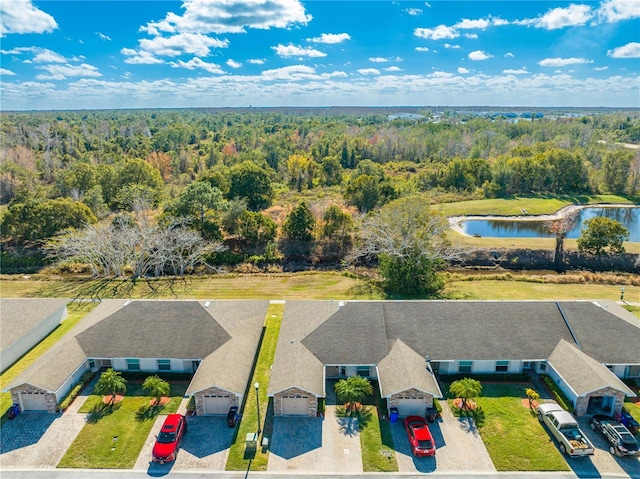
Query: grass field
column 130, row 421
column 378, row 452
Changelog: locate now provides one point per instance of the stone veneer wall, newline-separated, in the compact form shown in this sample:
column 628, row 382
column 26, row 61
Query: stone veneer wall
column 582, row 402
column 214, row 391
column 50, row 398
column 278, row 404
column 411, row 394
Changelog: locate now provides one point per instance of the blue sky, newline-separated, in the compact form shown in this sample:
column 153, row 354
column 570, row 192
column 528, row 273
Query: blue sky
column 212, row 53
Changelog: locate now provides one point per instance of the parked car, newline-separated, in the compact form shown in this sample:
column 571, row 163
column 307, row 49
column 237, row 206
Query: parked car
column 565, row 429
column 420, row 438
column 168, row 441
column 629, row 422
column 620, row 440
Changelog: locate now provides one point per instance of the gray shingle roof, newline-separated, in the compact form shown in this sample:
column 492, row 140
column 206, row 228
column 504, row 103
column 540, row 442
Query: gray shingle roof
column 402, row 369
column 294, row 365
column 229, row 366
column 605, row 330
column 57, row 364
column 155, row 329
column 583, row 373
column 20, row 316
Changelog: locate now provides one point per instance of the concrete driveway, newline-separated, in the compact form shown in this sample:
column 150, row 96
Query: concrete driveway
column 205, row 446
column 315, row 445
column 38, row 439
column 459, row 447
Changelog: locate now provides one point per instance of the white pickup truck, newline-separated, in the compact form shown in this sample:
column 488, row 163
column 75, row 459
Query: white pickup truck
column 565, row 429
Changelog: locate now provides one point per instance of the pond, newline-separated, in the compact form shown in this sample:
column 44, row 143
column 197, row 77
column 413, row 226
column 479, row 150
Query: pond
column 509, row 228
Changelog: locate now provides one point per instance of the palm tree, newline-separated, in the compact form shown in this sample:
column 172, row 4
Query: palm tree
column 156, row 387
column 111, row 382
column 465, row 389
column 352, row 391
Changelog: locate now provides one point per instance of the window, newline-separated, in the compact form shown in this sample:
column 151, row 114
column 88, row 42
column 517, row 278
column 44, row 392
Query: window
column 92, row 363
column 133, row 364
column 465, row 366
column 364, row 371
column 164, row 365
column 543, row 366
column 502, row 366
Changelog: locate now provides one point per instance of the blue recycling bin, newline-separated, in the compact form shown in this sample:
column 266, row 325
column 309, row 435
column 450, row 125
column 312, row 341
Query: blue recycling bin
column 393, row 414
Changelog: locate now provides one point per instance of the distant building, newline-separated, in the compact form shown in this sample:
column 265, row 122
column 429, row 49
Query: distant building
column 405, row 116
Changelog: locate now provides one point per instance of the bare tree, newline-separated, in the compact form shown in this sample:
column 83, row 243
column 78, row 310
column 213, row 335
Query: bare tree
column 560, row 229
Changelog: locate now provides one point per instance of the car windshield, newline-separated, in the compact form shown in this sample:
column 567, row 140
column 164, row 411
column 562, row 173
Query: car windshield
column 166, row 437
column 629, row 442
column 425, row 444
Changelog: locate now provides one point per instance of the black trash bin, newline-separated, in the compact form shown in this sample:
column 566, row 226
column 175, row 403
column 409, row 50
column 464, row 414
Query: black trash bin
column 393, row 414
column 13, row 411
column 232, row 416
column 431, row 414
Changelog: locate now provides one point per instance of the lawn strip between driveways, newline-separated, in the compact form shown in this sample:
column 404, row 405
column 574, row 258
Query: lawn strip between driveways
column 238, row 459
column 114, row 435
column 514, row 438
column 378, row 452
column 76, row 311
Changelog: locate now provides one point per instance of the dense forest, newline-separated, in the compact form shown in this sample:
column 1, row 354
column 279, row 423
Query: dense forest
column 265, row 183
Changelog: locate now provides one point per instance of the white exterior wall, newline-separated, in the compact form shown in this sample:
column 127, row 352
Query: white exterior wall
column 151, row 365
column 31, row 338
column 561, row 384
column 69, row 383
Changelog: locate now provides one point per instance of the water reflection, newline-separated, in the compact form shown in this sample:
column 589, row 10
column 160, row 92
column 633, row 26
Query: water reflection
column 629, row 217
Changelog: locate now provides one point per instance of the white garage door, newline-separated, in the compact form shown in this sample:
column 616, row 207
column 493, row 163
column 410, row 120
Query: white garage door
column 410, row 407
column 217, row 404
column 295, row 406
column 33, row 401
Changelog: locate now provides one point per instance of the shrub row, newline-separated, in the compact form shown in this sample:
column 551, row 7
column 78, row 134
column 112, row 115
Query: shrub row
column 75, row 390
column 558, row 395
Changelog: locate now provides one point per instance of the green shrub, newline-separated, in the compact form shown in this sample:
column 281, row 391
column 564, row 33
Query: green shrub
column 75, row 390
column 558, row 395
column 437, row 406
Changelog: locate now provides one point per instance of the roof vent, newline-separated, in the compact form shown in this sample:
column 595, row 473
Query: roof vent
column 126, row 302
column 340, row 304
column 206, row 305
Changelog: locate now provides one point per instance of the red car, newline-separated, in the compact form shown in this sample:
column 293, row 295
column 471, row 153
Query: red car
column 420, row 438
column 169, row 439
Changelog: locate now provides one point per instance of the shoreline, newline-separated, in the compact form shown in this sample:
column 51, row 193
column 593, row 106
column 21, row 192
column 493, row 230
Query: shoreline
column 455, row 222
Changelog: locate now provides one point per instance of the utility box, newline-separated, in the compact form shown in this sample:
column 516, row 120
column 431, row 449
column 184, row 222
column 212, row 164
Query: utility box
column 251, row 440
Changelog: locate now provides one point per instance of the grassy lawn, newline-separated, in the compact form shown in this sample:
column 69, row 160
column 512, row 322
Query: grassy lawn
column 514, row 438
column 130, row 421
column 634, row 309
column 378, row 454
column 237, row 460
column 77, row 311
column 514, row 206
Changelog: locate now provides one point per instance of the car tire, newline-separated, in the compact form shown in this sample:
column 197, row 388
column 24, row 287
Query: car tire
column 563, row 449
column 612, row 450
column 540, row 417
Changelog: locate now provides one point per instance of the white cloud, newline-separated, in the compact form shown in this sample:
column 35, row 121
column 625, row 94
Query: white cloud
column 601, row 69
column 189, row 43
column 479, row 55
column 292, row 73
column 473, row 36
column 454, row 47
column 330, row 38
column 427, row 4
column 438, row 33
column 573, row 15
column 561, row 62
column 103, row 37
column 62, row 72
column 630, row 50
column 508, row 55
column 385, row 59
column 139, row 58
column 413, row 11
column 462, row 70
column 233, row 64
column 48, row 56
column 256, row 61
column 21, row 16
column 4, row 71
column 617, row 10
column 521, row 71
column 231, row 16
column 296, row 51
column 369, row 71
column 466, row 24
column 393, row 69
column 197, row 63
column 422, row 49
